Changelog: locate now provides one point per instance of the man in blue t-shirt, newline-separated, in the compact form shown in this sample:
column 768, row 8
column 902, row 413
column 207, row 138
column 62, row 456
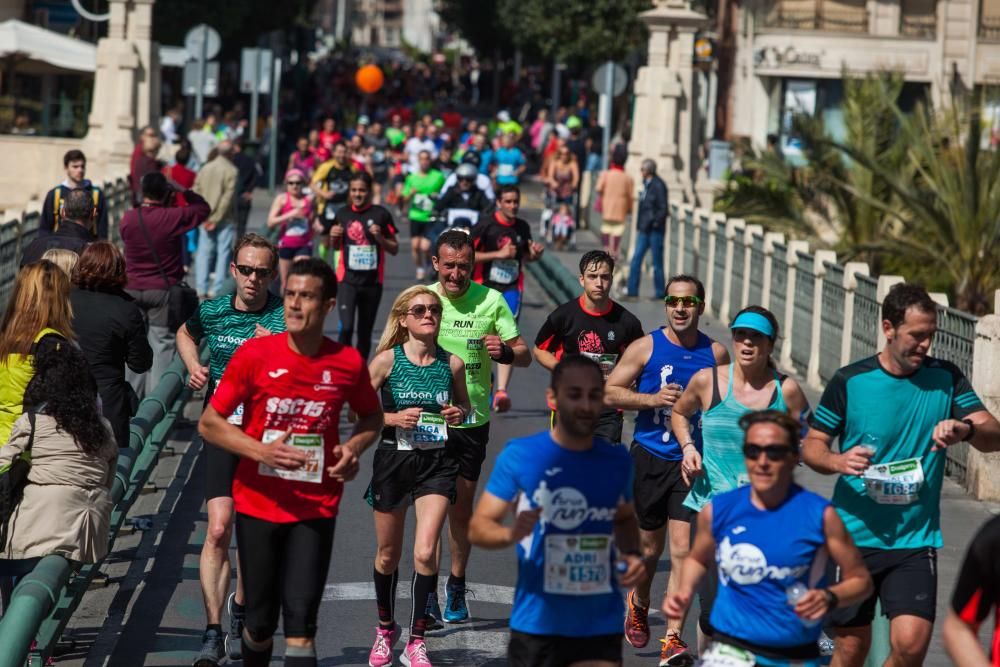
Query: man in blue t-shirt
column 507, row 163
column 895, row 414
column 576, row 532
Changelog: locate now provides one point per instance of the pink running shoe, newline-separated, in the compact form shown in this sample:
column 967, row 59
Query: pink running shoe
column 385, row 638
column 415, row 654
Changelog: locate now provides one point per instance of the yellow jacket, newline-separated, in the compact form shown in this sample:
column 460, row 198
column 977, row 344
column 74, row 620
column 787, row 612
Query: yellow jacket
column 17, row 373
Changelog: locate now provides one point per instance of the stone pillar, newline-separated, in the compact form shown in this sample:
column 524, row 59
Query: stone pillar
column 822, row 258
column 982, row 476
column 734, row 230
column 788, row 317
column 711, row 289
column 851, row 270
column 684, row 218
column 748, row 234
column 126, row 88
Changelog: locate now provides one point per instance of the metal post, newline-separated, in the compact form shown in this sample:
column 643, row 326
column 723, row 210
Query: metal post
column 199, row 99
column 556, row 88
column 272, row 166
column 255, row 95
column 609, row 100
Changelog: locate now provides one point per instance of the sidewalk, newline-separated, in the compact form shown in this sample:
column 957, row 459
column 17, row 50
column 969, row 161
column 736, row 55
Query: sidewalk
column 961, row 515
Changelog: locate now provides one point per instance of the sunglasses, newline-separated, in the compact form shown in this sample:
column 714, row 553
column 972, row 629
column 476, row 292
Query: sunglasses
column 773, row 452
column 464, row 179
column 419, row 310
column 294, row 182
column 686, row 301
column 261, row 272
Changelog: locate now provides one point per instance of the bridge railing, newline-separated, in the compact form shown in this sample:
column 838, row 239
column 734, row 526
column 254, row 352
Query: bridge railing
column 829, row 311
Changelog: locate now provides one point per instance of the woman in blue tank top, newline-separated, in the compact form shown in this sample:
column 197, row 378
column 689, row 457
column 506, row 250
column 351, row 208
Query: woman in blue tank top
column 769, row 542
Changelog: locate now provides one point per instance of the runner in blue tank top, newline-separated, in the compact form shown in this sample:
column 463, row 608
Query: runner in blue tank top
column 576, row 533
column 659, row 366
column 722, row 396
column 769, row 542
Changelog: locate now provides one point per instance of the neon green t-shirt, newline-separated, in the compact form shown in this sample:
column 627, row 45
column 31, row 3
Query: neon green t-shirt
column 395, row 136
column 465, row 320
column 421, row 187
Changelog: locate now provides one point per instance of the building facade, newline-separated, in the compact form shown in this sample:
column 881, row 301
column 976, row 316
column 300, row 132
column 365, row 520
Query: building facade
column 791, row 54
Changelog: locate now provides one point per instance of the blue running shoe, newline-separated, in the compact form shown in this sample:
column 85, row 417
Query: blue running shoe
column 433, row 612
column 455, row 609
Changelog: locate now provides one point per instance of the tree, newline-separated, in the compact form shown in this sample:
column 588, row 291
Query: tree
column 479, row 23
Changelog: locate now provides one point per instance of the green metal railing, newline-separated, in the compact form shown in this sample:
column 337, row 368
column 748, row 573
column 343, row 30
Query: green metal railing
column 867, row 318
column 44, row 601
column 954, row 342
column 755, row 272
column 802, row 314
column 779, row 287
column 557, row 281
column 831, row 321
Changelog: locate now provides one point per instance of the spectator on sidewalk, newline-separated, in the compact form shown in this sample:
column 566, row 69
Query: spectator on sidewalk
column 75, row 163
column 66, row 506
column 216, row 182
column 614, row 190
column 110, row 331
column 202, row 139
column 144, row 160
column 651, row 223
column 73, row 234
column 154, row 265
column 64, row 259
column 248, row 172
column 180, row 175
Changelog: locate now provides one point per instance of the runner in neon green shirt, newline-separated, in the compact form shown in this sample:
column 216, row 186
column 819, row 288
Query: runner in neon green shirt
column 478, row 327
column 420, row 189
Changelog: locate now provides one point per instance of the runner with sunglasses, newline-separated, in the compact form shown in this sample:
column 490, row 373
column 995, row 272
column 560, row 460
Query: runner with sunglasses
column 722, row 395
column 592, row 325
column 225, row 323
column 423, row 396
column 769, row 541
column 363, row 232
column 291, row 213
column 659, row 366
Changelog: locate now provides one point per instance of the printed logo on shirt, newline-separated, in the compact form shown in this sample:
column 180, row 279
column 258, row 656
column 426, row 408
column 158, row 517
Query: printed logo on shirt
column 566, row 508
column 746, row 564
column 590, row 342
column 474, row 344
column 295, row 406
column 611, row 336
column 277, row 373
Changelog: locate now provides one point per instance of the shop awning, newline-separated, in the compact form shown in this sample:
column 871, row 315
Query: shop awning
column 32, row 43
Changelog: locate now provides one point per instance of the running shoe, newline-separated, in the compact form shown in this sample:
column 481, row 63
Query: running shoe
column 433, row 612
column 455, row 609
column 674, row 653
column 385, row 639
column 212, row 650
column 234, row 640
column 415, row 654
column 636, row 622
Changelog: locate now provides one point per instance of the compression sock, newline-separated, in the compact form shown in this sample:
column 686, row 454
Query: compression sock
column 214, row 626
column 455, row 582
column 256, row 654
column 300, row 656
column 385, row 595
column 420, row 589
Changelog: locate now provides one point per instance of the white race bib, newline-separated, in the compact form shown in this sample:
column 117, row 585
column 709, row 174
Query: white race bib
column 578, row 564
column 423, row 203
column 724, row 655
column 431, row 432
column 456, row 214
column 237, row 417
column 505, row 170
column 310, row 443
column 362, row 257
column 895, row 483
column 504, row 271
column 605, row 361
column 297, row 227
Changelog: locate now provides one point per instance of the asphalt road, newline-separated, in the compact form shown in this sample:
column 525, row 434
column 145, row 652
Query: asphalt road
column 150, row 613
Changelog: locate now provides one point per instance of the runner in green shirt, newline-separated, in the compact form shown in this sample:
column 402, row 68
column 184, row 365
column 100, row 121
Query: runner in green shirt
column 478, row 327
column 420, row 189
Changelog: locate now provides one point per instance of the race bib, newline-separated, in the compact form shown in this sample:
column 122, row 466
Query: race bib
column 329, row 212
column 895, row 483
column 339, row 187
column 297, row 227
column 605, row 361
column 362, row 257
column 464, row 216
column 237, row 417
column 504, row 271
column 423, row 203
column 724, row 655
column 578, row 564
column 505, row 170
column 310, row 443
column 431, row 432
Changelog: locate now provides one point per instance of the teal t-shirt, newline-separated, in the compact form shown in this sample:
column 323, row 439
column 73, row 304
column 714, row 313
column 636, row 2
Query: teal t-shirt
column 226, row 328
column 864, row 403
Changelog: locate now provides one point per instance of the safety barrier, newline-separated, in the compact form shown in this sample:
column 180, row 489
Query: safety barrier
column 44, row 601
column 557, row 281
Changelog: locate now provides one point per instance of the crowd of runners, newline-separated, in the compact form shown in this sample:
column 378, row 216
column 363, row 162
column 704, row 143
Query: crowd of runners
column 705, row 479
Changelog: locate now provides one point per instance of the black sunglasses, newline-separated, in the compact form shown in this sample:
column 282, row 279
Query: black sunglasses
column 294, row 182
column 773, row 452
column 262, row 272
column 420, row 310
column 466, row 179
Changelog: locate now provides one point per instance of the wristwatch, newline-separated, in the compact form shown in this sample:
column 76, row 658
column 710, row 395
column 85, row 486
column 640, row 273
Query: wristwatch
column 831, row 599
column 972, row 429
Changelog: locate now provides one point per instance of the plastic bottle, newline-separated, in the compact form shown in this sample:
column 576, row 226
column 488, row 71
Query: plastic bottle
column 794, row 593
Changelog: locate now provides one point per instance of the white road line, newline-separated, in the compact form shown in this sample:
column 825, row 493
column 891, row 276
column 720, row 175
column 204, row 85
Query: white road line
column 365, row 590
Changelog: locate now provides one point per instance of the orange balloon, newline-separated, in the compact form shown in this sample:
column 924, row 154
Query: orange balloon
column 369, row 79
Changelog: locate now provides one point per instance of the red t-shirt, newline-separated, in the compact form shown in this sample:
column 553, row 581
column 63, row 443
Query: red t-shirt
column 281, row 389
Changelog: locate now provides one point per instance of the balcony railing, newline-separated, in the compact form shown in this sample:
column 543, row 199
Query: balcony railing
column 817, row 18
column 921, row 27
column 989, row 28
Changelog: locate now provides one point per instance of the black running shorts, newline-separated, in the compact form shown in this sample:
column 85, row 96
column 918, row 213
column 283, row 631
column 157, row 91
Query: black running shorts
column 400, row 477
column 526, row 650
column 659, row 490
column 905, row 582
column 468, row 447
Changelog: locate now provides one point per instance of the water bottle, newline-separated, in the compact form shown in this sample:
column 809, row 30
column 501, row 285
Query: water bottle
column 870, row 442
column 794, row 593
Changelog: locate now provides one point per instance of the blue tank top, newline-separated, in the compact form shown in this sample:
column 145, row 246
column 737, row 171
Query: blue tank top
column 759, row 554
column 669, row 363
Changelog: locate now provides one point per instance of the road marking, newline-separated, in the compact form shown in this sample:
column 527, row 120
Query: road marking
column 365, row 590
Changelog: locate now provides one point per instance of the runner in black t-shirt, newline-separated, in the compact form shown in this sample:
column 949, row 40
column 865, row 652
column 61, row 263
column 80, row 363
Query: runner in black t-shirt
column 977, row 594
column 363, row 232
column 592, row 325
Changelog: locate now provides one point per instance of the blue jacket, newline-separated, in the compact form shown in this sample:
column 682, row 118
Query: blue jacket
column 653, row 206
